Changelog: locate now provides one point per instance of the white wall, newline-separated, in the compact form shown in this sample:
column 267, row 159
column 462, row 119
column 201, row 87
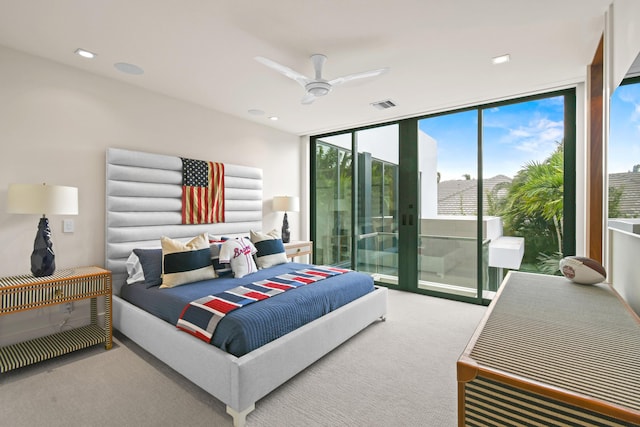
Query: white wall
column 624, row 32
column 56, row 123
column 622, row 266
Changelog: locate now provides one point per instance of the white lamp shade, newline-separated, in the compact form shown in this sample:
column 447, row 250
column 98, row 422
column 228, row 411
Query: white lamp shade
column 42, row 199
column 286, row 204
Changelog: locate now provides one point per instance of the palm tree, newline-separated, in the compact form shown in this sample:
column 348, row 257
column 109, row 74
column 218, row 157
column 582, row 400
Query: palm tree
column 542, row 192
column 535, row 198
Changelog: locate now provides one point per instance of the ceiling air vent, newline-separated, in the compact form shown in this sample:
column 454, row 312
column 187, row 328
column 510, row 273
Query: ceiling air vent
column 383, row 105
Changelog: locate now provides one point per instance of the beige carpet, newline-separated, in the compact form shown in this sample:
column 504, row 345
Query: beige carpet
column 395, row 373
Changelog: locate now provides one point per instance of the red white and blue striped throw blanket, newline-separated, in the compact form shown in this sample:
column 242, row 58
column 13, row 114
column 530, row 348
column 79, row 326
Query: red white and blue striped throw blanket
column 201, row 317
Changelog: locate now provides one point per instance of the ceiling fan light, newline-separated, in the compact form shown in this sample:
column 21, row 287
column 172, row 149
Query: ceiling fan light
column 319, row 91
column 318, row 88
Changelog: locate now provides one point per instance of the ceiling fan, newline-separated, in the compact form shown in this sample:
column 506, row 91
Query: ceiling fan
column 317, row 86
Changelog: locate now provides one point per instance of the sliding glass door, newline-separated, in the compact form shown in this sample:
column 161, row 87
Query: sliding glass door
column 332, row 214
column 356, row 197
column 448, row 244
column 447, row 204
column 377, row 202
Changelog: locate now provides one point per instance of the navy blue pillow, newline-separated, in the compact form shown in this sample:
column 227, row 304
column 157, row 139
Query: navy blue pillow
column 151, row 262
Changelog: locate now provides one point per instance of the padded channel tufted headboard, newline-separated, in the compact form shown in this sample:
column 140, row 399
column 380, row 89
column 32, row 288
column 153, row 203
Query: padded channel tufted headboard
column 143, row 203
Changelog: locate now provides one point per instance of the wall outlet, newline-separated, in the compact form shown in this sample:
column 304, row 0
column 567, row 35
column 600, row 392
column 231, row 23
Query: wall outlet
column 67, row 307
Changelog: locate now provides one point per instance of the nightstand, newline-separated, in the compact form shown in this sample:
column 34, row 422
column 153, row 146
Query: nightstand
column 298, row 248
column 21, row 293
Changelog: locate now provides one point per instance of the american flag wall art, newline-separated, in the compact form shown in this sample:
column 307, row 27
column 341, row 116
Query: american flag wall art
column 202, row 192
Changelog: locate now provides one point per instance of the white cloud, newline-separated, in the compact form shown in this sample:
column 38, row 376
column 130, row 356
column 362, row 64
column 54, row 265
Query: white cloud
column 540, row 135
column 631, row 95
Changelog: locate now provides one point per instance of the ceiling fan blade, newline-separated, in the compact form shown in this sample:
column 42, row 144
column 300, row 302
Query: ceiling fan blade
column 286, row 71
column 308, row 98
column 362, row 75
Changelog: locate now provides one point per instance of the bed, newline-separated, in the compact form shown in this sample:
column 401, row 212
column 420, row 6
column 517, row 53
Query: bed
column 143, row 192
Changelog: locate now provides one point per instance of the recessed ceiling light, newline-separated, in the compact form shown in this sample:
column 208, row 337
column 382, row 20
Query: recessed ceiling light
column 501, row 59
column 274, row 118
column 128, row 68
column 255, row 112
column 85, row 53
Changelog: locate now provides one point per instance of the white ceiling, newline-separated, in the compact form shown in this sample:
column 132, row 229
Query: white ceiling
column 203, row 51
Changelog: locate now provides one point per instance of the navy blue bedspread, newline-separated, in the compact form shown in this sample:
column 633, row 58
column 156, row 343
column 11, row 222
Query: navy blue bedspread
column 250, row 327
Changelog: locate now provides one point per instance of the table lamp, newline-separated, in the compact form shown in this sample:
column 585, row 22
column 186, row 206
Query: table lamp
column 286, row 204
column 42, row 199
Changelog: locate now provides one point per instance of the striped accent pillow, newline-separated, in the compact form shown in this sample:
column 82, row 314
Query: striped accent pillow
column 221, row 269
column 270, row 248
column 186, row 262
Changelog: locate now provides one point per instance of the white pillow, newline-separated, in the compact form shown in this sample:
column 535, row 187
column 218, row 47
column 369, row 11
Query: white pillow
column 186, row 262
column 238, row 253
column 270, row 248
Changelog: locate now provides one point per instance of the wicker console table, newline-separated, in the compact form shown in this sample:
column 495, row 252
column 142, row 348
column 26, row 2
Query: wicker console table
column 21, row 293
column 550, row 352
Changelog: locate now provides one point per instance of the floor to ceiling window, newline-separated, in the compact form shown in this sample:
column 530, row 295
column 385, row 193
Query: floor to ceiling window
column 333, row 193
column 448, row 162
column 624, row 154
column 524, row 184
column 376, row 203
column 447, row 204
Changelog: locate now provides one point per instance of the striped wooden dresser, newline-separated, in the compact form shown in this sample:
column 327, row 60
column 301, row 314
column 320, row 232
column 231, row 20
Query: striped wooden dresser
column 20, row 293
column 552, row 353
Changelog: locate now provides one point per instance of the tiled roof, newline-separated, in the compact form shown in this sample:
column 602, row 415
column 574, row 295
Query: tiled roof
column 630, row 184
column 460, row 196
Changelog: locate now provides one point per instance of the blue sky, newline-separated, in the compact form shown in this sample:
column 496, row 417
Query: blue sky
column 512, row 136
column 528, row 131
column 624, row 135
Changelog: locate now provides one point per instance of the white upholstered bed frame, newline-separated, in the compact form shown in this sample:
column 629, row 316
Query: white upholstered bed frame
column 142, row 204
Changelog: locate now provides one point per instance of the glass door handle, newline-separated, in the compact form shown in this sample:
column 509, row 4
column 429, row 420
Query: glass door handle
column 404, row 219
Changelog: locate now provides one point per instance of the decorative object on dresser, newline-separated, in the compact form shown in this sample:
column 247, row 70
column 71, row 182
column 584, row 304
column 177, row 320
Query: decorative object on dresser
column 554, row 353
column 286, row 204
column 21, row 293
column 42, row 199
column 582, row 270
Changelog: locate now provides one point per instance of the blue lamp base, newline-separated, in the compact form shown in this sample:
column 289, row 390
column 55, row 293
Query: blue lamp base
column 43, row 260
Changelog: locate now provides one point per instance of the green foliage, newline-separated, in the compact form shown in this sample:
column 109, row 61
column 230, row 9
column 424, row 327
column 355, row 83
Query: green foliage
column 533, row 207
column 615, row 195
column 333, row 188
column 496, row 205
column 549, row 264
